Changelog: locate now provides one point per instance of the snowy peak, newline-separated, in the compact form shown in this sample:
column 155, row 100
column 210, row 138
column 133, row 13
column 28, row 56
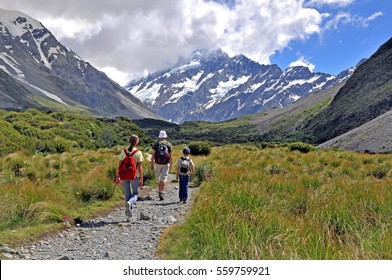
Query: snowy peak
column 18, row 23
column 50, row 72
column 29, row 34
column 296, row 72
column 212, row 86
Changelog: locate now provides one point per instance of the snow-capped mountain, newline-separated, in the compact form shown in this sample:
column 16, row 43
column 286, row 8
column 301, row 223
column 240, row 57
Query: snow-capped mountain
column 211, row 86
column 37, row 71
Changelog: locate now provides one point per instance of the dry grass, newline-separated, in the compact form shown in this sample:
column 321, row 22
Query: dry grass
column 280, row 204
column 42, row 191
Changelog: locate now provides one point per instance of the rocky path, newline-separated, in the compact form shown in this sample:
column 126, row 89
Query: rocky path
column 110, row 236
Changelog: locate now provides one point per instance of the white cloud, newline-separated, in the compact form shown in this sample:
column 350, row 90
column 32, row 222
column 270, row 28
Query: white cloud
column 343, row 18
column 133, row 37
column 366, row 21
column 302, row 61
column 319, row 3
column 72, row 30
column 122, row 78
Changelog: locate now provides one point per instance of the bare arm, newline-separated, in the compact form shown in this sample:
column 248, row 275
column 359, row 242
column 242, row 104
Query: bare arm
column 140, row 168
column 191, row 167
column 118, row 169
column 152, row 160
column 178, row 172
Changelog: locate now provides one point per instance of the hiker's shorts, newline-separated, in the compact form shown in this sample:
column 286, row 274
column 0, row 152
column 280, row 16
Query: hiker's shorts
column 162, row 171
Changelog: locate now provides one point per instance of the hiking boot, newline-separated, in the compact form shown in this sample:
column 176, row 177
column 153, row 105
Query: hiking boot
column 161, row 196
column 128, row 208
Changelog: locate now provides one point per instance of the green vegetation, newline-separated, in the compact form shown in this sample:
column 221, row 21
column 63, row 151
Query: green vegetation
column 55, row 167
column 365, row 96
column 263, row 201
column 38, row 192
column 233, row 131
column 53, row 132
column 200, row 148
column 274, row 203
column 290, row 127
column 279, row 125
column 302, row 147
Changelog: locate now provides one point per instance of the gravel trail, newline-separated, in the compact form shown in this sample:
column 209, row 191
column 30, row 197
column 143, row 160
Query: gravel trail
column 111, row 236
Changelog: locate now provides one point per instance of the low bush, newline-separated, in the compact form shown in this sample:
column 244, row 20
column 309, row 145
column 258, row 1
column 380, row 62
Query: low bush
column 97, row 184
column 204, row 171
column 302, row 147
column 263, row 145
column 200, row 148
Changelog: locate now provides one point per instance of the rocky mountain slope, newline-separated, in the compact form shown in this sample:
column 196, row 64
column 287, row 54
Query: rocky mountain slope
column 276, row 125
column 364, row 97
column 38, row 71
column 212, row 86
column 373, row 137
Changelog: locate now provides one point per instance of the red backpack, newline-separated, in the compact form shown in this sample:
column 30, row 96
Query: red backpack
column 127, row 168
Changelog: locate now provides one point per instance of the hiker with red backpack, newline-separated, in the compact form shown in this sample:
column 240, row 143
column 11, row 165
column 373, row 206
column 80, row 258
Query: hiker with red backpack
column 130, row 172
column 161, row 156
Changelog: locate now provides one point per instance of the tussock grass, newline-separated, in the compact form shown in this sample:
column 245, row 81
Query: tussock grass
column 275, row 203
column 40, row 192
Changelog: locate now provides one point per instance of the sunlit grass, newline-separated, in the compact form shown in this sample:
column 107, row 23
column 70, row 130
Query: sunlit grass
column 281, row 204
column 40, row 192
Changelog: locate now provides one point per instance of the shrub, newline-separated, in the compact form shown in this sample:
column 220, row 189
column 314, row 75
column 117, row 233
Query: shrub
column 276, row 169
column 200, row 148
column 148, row 175
column 96, row 185
column 108, row 138
column 302, row 147
column 95, row 190
column 45, row 147
column 204, row 171
column 16, row 166
column 112, row 173
column 380, row 172
column 263, row 145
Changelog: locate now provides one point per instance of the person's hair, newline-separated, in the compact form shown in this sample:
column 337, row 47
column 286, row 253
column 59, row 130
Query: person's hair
column 133, row 140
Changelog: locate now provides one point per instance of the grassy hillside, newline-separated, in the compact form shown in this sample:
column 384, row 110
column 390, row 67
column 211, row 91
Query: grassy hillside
column 53, row 132
column 286, row 124
column 282, row 204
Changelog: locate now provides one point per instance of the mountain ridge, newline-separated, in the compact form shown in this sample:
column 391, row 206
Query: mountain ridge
column 365, row 96
column 51, row 72
column 212, row 86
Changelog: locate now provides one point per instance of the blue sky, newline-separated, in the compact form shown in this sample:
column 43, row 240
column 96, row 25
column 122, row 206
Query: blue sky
column 335, row 50
column 128, row 39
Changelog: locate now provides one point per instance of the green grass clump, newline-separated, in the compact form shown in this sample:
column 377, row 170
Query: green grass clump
column 275, row 204
column 200, row 148
column 302, row 147
column 39, row 192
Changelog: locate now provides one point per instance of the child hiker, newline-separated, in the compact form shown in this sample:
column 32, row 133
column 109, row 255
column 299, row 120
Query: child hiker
column 184, row 172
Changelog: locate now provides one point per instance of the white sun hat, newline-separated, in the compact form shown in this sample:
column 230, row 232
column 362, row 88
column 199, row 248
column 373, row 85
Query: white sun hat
column 162, row 134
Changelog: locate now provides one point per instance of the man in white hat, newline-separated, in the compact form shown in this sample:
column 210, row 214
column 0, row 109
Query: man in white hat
column 161, row 156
